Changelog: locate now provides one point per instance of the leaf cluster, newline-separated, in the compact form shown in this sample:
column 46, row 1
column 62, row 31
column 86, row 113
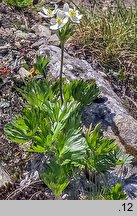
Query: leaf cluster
column 19, row 3
column 54, row 127
column 41, row 64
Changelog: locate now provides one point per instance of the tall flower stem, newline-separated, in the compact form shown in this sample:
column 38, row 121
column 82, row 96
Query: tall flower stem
column 61, row 71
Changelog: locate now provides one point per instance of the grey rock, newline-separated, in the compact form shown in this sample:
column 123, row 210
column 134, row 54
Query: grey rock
column 38, row 43
column 4, row 49
column 4, row 103
column 28, row 178
column 6, row 32
column 20, row 35
column 4, row 177
column 38, row 162
column 127, row 177
column 35, row 166
column 108, row 110
column 54, row 40
column 32, row 36
column 41, row 30
column 22, row 73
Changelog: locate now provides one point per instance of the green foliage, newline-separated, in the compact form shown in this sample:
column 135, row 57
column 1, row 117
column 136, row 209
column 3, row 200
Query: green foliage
column 71, row 148
column 107, row 193
column 66, row 32
column 22, row 129
column 111, row 30
column 56, row 177
column 43, row 124
column 41, row 64
column 84, row 91
column 110, row 37
column 120, row 158
column 55, row 128
column 37, row 92
column 116, row 193
column 19, row 3
column 102, row 154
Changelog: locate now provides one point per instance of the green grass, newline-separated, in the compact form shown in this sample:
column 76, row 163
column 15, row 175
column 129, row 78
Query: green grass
column 110, row 37
column 19, row 3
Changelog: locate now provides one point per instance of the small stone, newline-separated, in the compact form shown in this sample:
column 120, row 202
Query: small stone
column 41, row 31
column 21, row 35
column 65, row 196
column 4, row 49
column 4, row 104
column 32, row 36
column 39, row 43
column 23, row 73
column 4, row 177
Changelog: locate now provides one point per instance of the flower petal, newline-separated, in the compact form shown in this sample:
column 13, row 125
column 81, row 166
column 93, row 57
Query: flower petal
column 60, row 14
column 65, row 20
column 75, row 19
column 55, row 10
column 80, row 16
column 45, row 10
column 67, row 14
column 66, row 7
column 56, row 7
column 54, row 27
column 41, row 14
column 74, row 7
column 53, row 21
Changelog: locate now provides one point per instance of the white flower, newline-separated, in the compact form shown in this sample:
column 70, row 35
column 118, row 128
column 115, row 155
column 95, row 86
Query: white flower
column 73, row 14
column 60, row 20
column 48, row 13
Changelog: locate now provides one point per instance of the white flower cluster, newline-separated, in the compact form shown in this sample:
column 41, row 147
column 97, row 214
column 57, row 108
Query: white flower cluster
column 62, row 16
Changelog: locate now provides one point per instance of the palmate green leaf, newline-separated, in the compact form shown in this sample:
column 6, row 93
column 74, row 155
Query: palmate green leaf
column 71, row 147
column 59, row 112
column 102, row 153
column 23, row 128
column 107, row 145
column 93, row 137
column 117, row 193
column 41, row 64
column 67, row 110
column 74, row 121
column 51, row 120
column 84, row 91
column 104, row 163
column 37, row 148
column 55, row 176
column 120, row 157
column 66, row 32
column 43, row 136
column 16, row 131
column 37, row 92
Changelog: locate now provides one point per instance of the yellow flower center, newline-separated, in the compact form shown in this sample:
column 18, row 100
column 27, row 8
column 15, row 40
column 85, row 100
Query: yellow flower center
column 72, row 13
column 59, row 21
column 49, row 11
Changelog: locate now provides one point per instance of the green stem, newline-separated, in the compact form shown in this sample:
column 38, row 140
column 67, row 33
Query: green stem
column 61, row 71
